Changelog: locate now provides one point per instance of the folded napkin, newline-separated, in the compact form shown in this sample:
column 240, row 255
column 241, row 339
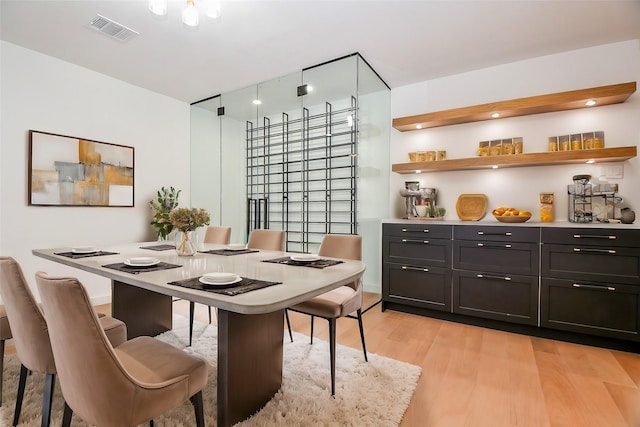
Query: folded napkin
column 227, row 252
column 159, row 247
column 241, row 287
column 319, row 263
column 76, row 255
column 121, row 266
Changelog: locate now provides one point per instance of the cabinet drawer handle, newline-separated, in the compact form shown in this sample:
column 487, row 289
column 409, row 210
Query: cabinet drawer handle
column 487, row 276
column 415, row 241
column 482, row 233
column 404, row 230
column 404, row 267
column 602, row 288
column 600, row 251
column 594, row 236
column 481, row 245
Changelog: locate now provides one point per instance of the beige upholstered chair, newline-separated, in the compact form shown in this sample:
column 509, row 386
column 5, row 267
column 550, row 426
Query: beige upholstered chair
column 340, row 302
column 269, row 240
column 31, row 335
column 5, row 334
column 106, row 386
column 213, row 234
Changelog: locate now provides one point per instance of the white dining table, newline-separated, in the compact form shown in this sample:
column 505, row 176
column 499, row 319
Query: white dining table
column 250, row 325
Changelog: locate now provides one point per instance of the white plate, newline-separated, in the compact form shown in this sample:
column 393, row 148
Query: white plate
column 84, row 249
column 230, row 282
column 304, row 258
column 236, row 247
column 141, row 261
column 219, row 277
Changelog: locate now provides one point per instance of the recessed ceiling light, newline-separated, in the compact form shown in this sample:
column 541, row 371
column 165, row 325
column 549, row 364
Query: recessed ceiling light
column 494, row 167
column 257, row 102
column 590, row 103
column 418, row 171
column 590, row 161
column 418, row 126
column 495, row 115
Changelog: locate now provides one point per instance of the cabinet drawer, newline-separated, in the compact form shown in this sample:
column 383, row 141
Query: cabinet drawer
column 607, row 310
column 591, row 236
column 507, row 233
column 428, row 287
column 595, row 263
column 501, row 257
column 414, row 251
column 509, row 298
column 419, row 230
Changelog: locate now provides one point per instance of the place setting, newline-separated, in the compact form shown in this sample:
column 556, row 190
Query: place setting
column 84, row 252
column 223, row 283
column 305, row 260
column 136, row 265
column 232, row 249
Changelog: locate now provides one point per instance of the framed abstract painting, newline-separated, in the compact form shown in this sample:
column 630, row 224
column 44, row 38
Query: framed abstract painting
column 72, row 171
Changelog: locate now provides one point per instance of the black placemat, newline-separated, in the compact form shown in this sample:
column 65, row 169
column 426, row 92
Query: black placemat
column 76, row 255
column 159, row 247
column 243, row 286
column 121, row 266
column 228, row 252
column 319, row 263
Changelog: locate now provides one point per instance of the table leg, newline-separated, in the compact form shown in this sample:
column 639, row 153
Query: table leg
column 249, row 363
column 144, row 312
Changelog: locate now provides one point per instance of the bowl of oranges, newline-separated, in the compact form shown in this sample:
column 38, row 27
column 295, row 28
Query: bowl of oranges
column 507, row 214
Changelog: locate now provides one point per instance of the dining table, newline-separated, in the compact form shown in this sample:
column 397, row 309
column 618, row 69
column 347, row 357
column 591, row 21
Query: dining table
column 250, row 320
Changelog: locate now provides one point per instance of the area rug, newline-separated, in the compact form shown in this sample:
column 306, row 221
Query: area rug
column 376, row 393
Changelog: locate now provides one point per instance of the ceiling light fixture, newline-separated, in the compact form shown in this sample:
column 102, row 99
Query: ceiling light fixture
column 190, row 14
column 590, row 103
column 495, row 115
column 418, row 126
column 589, row 162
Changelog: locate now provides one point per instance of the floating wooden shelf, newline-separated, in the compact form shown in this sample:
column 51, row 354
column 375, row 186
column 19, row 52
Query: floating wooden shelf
column 599, row 155
column 603, row 95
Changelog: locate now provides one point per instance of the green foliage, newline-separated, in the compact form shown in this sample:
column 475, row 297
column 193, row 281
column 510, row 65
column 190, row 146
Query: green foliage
column 167, row 201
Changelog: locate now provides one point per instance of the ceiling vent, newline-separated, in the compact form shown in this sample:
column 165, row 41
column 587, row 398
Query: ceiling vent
column 112, row 28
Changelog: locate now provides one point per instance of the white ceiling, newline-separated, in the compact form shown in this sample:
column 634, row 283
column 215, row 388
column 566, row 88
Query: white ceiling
column 255, row 41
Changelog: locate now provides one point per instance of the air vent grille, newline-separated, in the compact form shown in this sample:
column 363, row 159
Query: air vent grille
column 112, row 28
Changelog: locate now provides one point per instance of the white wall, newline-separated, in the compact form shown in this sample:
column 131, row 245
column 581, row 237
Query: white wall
column 43, row 93
column 520, row 187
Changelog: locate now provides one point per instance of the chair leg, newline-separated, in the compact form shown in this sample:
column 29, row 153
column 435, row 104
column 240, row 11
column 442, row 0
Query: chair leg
column 49, row 384
column 150, row 423
column 286, row 316
column 66, row 415
column 332, row 353
column 21, row 383
column 192, row 307
column 364, row 347
column 198, row 407
column 312, row 317
column 209, row 314
column 1, row 367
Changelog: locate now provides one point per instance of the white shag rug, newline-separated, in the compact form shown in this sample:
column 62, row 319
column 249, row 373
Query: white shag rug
column 376, row 393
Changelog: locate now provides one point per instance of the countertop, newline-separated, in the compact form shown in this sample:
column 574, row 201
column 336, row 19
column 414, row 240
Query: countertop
column 490, row 221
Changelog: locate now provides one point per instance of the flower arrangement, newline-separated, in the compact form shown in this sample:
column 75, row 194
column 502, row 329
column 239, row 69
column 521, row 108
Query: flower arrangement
column 185, row 219
column 166, row 201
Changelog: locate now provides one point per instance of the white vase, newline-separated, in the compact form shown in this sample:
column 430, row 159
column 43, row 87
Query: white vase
column 185, row 243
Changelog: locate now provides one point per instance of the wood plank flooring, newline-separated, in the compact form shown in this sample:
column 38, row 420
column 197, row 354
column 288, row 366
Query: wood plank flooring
column 479, row 377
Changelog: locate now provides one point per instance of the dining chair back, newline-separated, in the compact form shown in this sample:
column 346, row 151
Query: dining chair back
column 213, row 234
column 31, row 333
column 106, row 386
column 340, row 302
column 269, row 240
column 5, row 334
column 217, row 234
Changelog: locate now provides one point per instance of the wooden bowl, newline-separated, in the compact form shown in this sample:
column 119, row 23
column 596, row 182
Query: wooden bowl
column 512, row 219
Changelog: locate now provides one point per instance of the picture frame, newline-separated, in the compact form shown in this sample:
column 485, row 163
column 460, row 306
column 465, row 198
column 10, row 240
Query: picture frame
column 72, row 171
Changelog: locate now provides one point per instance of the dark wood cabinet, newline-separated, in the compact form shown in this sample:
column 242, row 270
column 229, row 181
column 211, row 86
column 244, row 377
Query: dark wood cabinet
column 499, row 257
column 591, row 281
column 427, row 287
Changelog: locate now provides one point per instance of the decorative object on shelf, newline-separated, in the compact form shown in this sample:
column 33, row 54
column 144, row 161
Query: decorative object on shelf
column 72, row 171
column 561, row 101
column 578, row 141
column 427, row 156
column 471, row 207
column 190, row 14
column 166, row 201
column 501, row 147
column 186, row 221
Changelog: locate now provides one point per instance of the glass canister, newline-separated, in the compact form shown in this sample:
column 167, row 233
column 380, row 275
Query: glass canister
column 546, row 207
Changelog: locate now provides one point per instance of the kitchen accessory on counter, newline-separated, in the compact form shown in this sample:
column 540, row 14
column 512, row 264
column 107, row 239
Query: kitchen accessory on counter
column 589, row 202
column 416, row 196
column 515, row 218
column 627, row 216
column 471, row 207
column 546, row 207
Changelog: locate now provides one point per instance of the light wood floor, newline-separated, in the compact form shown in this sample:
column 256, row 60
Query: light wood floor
column 480, row 377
